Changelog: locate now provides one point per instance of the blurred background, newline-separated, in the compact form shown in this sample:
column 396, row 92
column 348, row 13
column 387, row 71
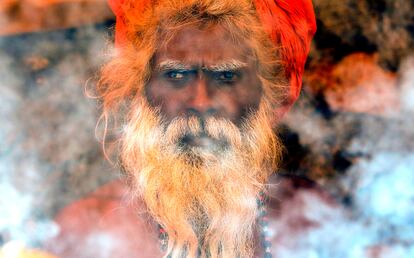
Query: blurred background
column 351, row 132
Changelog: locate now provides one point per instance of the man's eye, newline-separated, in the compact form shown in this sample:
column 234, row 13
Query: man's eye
column 226, row 76
column 175, row 75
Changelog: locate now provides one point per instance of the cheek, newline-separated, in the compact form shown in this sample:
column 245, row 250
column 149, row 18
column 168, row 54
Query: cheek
column 247, row 97
column 252, row 93
column 234, row 105
column 228, row 105
column 171, row 102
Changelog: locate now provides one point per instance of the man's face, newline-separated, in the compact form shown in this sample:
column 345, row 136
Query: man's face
column 204, row 73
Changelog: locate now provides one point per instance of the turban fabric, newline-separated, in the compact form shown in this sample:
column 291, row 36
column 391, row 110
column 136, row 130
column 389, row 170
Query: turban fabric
column 291, row 25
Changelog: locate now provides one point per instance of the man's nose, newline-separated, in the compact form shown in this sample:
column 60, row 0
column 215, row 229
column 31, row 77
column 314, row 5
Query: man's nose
column 201, row 102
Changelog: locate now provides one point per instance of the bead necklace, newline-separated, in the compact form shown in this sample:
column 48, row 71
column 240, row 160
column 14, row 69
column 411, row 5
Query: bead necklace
column 263, row 222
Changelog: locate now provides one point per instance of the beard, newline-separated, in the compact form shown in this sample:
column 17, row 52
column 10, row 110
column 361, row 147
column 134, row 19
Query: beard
column 200, row 179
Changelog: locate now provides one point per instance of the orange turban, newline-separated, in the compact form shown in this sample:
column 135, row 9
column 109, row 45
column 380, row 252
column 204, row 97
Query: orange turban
column 291, row 24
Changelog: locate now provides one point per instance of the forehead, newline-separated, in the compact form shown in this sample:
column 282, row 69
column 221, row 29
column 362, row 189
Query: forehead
column 203, row 47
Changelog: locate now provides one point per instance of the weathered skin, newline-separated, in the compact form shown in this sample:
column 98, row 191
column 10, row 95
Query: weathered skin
column 227, row 94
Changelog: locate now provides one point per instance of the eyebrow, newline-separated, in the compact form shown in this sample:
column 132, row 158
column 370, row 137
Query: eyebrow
column 230, row 65
column 172, row 65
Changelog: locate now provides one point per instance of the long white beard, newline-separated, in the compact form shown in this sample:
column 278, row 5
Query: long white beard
column 204, row 195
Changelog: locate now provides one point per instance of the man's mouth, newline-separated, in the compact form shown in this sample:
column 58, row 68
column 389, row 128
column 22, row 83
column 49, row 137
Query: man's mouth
column 202, row 141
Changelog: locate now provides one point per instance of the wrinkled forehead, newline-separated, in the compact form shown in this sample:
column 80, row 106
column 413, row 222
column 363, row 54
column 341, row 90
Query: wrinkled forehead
column 207, row 47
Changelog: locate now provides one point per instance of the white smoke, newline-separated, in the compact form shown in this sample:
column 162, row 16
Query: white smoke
column 379, row 221
column 407, row 85
column 48, row 154
column 16, row 204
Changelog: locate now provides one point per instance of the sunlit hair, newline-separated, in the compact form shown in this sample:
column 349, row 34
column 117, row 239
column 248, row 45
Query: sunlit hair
column 201, row 198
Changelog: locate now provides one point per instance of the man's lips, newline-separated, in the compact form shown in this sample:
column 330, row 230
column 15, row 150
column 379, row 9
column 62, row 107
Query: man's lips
column 202, row 141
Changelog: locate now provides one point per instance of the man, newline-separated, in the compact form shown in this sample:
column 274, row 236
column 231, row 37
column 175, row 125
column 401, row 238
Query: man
column 196, row 88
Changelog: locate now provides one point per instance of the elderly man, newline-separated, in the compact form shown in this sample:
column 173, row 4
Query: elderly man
column 196, row 88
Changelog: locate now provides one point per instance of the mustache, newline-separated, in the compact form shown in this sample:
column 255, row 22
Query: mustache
column 219, row 131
